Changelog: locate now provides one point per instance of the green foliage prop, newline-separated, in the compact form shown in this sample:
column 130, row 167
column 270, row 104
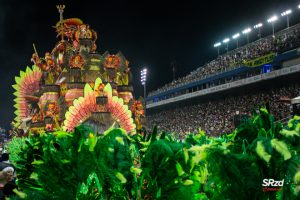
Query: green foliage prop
column 112, row 166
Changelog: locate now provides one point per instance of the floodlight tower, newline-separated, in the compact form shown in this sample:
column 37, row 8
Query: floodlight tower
column 225, row 41
column 143, row 81
column 287, row 13
column 258, row 26
column 246, row 32
column 272, row 20
column 236, row 37
column 217, row 45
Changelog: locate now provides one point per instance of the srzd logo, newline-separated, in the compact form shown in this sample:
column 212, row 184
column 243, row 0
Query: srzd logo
column 274, row 185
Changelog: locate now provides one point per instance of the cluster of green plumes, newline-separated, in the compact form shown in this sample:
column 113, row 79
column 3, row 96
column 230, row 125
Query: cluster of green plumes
column 156, row 165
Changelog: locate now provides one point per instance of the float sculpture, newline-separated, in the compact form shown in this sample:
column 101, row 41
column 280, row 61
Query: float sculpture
column 74, row 84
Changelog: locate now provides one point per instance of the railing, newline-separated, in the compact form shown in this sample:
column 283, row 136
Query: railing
column 238, row 83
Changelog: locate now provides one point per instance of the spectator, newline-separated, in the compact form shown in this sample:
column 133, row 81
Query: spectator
column 6, row 163
column 284, row 41
column 215, row 118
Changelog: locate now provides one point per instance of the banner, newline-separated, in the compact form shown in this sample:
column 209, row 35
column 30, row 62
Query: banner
column 260, row 61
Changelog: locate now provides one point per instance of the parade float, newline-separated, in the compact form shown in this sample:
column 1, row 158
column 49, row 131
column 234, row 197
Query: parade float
column 74, row 84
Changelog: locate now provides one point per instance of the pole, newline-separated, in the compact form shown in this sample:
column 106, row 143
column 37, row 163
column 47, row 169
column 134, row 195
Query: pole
column 145, row 91
column 218, row 51
column 259, row 34
column 35, row 51
column 173, row 73
column 273, row 29
column 237, row 43
column 61, row 11
column 173, row 63
column 287, row 21
column 227, row 47
column 247, row 38
column 145, row 96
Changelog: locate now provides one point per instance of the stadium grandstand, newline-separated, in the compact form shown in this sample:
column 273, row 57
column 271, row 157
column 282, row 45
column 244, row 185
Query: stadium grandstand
column 215, row 96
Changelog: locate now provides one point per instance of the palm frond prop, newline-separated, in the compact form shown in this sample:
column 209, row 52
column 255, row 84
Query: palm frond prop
column 83, row 107
column 27, row 84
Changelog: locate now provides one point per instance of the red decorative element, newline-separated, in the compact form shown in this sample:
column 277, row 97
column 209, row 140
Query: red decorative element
column 52, row 110
column 49, row 127
column 37, row 117
column 59, row 52
column 76, row 61
column 137, row 108
column 46, row 64
column 138, row 112
column 83, row 32
column 100, row 90
column 112, row 61
column 73, row 22
column 73, row 94
column 49, row 97
column 49, row 61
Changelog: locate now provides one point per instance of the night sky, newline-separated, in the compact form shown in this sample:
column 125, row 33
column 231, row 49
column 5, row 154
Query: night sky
column 150, row 34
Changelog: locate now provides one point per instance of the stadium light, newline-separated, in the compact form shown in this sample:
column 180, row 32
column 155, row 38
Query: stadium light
column 258, row 26
column 218, row 44
column 272, row 20
column 226, row 40
column 298, row 6
column 287, row 13
column 143, row 81
column 246, row 32
column 236, row 37
column 144, row 76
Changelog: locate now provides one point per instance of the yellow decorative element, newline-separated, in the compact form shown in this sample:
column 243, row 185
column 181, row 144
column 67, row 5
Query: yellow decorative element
column 188, row 182
column 125, row 79
column 281, row 148
column 94, row 68
column 135, row 170
column 260, row 150
column 108, row 90
column 87, row 89
column 37, row 162
column 297, row 178
column 120, row 140
column 98, row 81
column 260, row 61
column 95, row 60
column 121, row 177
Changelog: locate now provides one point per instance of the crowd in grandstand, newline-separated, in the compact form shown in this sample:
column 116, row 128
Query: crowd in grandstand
column 281, row 42
column 216, row 117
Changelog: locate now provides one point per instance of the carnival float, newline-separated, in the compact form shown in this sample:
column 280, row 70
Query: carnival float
column 74, row 93
column 74, row 84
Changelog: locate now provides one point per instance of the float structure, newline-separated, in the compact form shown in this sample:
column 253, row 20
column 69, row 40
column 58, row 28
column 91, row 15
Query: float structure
column 74, row 84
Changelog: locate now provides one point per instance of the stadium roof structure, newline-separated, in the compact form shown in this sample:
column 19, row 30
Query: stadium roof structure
column 296, row 100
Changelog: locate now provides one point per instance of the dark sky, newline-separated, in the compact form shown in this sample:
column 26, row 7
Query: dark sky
column 149, row 33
